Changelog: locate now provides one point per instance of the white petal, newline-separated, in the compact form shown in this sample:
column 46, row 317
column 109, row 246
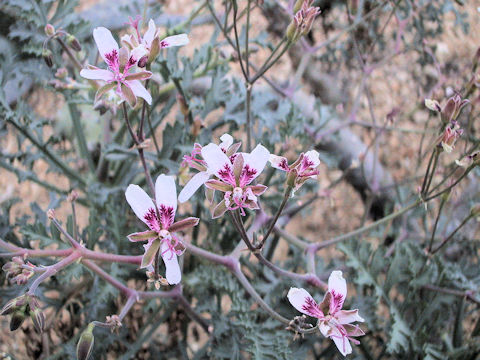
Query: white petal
column 313, row 156
column 173, row 273
column 175, row 40
column 279, row 162
column 139, row 90
column 193, row 185
column 138, row 52
column 337, row 284
column 342, row 342
column 166, row 192
column 227, row 141
column 257, row 159
column 215, row 158
column 348, row 316
column 139, row 201
column 94, row 74
column 105, row 41
column 149, row 34
column 304, row 302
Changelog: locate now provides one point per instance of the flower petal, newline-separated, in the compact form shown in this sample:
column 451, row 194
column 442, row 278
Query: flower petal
column 303, row 302
column 279, row 162
column 141, row 204
column 348, row 316
column 97, row 74
column 192, row 186
column 312, row 158
column 218, row 163
column 256, row 162
column 173, row 273
column 175, row 40
column 149, row 34
column 106, row 44
column 227, row 141
column 337, row 286
column 166, row 197
column 139, row 90
column 342, row 342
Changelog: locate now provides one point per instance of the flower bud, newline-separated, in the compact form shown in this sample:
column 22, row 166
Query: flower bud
column 47, row 56
column 292, row 178
column 292, row 32
column 475, row 210
column 298, row 6
column 38, row 319
column 72, row 196
column 432, row 105
column 85, row 344
column 183, row 105
column 51, row 214
column 49, row 30
column 143, row 61
column 17, row 319
column 73, row 42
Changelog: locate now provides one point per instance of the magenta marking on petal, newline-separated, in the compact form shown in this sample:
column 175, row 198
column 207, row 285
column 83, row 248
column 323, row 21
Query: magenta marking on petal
column 247, row 175
column 305, row 164
column 336, row 303
column 311, row 308
column 284, row 165
column 112, row 59
column 167, row 216
column 163, row 44
column 226, row 174
column 152, row 220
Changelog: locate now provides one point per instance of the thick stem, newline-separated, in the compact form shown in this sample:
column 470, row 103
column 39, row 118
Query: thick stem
column 53, row 269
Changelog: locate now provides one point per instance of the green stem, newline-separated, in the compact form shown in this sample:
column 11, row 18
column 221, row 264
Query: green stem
column 450, row 237
column 444, row 199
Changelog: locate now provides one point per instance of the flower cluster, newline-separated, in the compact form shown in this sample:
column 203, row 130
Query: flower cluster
column 333, row 322
column 18, row 271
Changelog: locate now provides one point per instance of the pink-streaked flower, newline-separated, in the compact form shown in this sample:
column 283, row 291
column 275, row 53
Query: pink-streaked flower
column 333, row 322
column 151, row 40
column 234, row 176
column 305, row 167
column 120, row 62
column 450, row 135
column 196, row 161
column 160, row 219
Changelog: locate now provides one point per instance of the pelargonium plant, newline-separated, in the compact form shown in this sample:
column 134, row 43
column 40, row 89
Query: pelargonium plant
column 175, row 274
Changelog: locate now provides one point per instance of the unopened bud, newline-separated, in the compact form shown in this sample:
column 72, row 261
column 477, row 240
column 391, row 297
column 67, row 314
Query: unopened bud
column 85, row 344
column 48, row 57
column 432, row 105
column 292, row 178
column 51, row 214
column 38, row 319
column 475, row 210
column 292, row 33
column 73, row 42
column 297, row 6
column 143, row 61
column 49, row 30
column 72, row 196
column 17, row 319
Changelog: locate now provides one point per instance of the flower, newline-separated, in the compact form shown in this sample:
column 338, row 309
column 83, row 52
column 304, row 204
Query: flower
column 469, row 160
column 234, row 175
column 160, row 219
column 305, row 167
column 151, row 41
column 333, row 322
column 192, row 160
column 450, row 135
column 120, row 62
